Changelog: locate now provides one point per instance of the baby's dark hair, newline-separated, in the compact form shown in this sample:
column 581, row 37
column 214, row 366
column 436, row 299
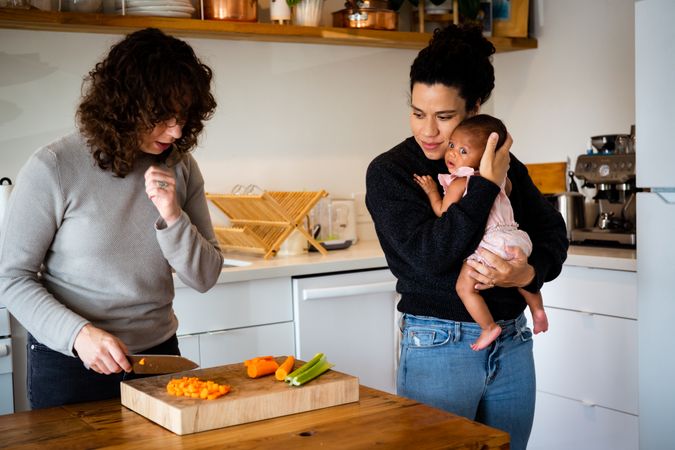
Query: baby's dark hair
column 146, row 78
column 457, row 56
column 480, row 126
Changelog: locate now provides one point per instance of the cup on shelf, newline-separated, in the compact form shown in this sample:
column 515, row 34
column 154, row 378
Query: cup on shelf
column 280, row 12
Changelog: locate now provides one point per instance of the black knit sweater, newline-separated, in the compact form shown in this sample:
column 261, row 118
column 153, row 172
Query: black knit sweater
column 426, row 252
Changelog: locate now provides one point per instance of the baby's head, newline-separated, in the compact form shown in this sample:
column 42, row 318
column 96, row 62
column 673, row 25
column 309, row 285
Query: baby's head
column 468, row 141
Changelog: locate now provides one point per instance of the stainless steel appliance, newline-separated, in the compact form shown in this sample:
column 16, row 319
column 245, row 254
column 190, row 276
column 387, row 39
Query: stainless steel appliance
column 611, row 172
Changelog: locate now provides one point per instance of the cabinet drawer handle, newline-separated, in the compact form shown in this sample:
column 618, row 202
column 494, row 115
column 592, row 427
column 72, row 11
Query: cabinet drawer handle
column 4, row 350
column 349, row 291
column 216, row 333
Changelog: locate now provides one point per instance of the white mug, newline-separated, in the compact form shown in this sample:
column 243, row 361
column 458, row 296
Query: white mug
column 295, row 244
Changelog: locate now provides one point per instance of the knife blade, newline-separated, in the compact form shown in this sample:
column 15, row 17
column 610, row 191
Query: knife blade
column 158, row 364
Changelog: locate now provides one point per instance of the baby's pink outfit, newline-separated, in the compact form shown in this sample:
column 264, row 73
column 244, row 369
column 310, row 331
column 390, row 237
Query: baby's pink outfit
column 501, row 229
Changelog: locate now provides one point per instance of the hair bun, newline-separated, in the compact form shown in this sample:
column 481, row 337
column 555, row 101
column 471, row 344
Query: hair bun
column 457, row 56
column 456, row 39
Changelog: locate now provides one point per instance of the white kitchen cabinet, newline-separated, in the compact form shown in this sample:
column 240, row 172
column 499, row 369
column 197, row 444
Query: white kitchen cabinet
column 245, row 343
column 352, row 318
column 234, row 305
column 6, row 355
column 587, row 363
column 564, row 424
column 235, row 321
column 601, row 291
column 189, row 347
column 589, row 357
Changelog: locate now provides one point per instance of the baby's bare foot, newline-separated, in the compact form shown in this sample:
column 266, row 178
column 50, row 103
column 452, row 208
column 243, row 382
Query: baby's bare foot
column 540, row 321
column 487, row 337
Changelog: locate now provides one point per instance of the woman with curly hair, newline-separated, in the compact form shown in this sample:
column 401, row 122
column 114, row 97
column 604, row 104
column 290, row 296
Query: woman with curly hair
column 100, row 218
column 450, row 80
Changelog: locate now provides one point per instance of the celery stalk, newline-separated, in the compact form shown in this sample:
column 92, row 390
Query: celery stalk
column 311, row 373
column 309, row 364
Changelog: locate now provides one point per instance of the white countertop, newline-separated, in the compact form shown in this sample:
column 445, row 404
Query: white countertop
column 368, row 255
column 602, row 258
column 364, row 255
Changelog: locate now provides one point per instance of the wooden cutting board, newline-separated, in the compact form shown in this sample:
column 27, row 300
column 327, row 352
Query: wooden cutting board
column 550, row 178
column 250, row 399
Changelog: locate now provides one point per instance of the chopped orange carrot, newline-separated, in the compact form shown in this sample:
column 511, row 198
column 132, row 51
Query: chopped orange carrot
column 248, row 362
column 285, row 368
column 142, row 362
column 259, row 367
column 193, row 387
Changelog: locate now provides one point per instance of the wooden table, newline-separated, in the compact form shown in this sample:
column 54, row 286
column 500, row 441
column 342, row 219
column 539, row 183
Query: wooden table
column 378, row 419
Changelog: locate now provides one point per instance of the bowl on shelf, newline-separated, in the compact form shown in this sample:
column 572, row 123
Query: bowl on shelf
column 231, row 10
column 369, row 18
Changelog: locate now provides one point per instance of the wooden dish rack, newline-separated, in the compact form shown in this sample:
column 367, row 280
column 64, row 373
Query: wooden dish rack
column 262, row 222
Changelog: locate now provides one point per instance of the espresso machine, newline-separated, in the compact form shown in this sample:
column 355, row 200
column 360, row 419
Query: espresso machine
column 609, row 168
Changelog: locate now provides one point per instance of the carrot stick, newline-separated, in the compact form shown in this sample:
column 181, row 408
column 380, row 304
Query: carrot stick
column 261, row 367
column 285, row 368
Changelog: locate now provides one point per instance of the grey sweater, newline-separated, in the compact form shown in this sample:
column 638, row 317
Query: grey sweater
column 80, row 245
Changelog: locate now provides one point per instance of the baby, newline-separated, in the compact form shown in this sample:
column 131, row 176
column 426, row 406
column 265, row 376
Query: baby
column 467, row 145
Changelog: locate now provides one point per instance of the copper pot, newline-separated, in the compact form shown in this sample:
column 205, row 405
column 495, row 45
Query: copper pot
column 375, row 19
column 234, row 10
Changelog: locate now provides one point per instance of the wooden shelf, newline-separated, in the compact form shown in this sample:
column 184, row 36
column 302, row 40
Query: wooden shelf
column 107, row 23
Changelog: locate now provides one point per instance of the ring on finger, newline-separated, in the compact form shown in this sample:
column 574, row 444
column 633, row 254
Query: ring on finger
column 162, row 184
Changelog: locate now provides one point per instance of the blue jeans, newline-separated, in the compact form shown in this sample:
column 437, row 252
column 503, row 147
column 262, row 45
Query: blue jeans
column 495, row 386
column 55, row 379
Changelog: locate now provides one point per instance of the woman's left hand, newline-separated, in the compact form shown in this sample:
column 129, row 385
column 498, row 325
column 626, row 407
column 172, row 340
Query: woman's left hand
column 495, row 161
column 515, row 272
column 160, row 185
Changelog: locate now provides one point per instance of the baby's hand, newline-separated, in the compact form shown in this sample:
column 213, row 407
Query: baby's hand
column 426, row 182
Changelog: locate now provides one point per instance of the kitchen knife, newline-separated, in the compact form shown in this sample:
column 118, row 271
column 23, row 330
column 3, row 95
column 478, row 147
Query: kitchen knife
column 158, row 364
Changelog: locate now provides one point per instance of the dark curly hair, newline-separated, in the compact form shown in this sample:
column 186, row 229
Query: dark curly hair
column 481, row 125
column 457, row 56
column 146, row 79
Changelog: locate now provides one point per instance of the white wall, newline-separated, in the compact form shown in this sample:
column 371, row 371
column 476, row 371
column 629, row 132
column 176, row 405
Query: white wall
column 305, row 116
column 578, row 83
column 290, row 116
